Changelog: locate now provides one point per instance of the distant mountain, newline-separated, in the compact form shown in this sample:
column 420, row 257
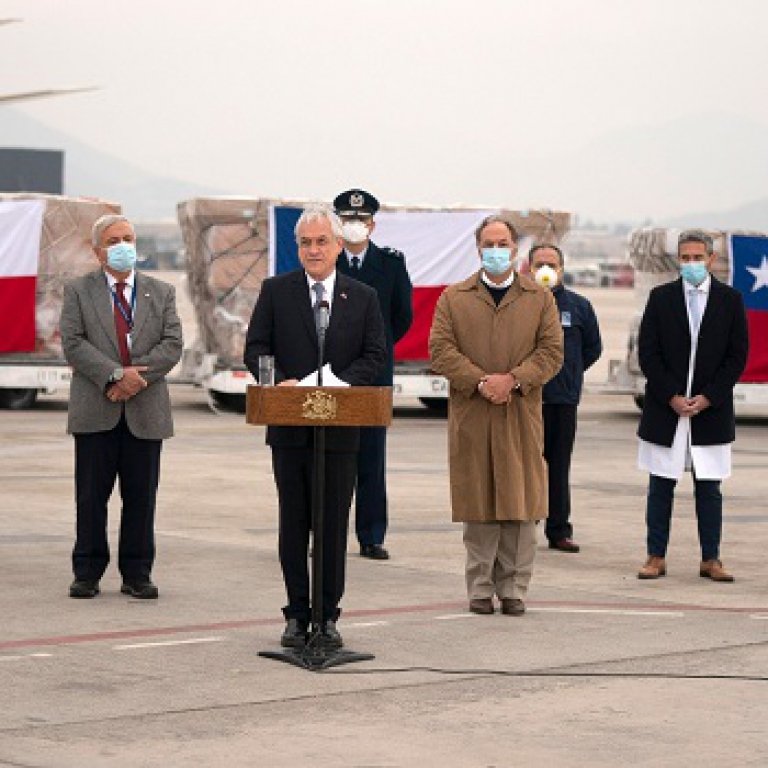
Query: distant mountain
column 666, row 168
column 92, row 173
column 749, row 216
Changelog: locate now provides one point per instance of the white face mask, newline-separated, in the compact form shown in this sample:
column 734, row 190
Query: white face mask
column 355, row 231
column 546, row 276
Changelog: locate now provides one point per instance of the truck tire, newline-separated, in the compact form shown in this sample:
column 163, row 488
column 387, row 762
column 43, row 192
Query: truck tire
column 17, row 399
column 436, row 404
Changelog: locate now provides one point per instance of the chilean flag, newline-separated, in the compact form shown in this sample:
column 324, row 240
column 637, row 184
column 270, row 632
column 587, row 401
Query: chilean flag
column 749, row 274
column 439, row 249
column 21, row 225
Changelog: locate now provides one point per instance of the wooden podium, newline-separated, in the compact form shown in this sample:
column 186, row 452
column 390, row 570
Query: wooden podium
column 318, row 407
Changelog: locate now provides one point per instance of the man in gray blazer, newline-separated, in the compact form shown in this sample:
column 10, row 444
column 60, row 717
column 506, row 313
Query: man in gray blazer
column 121, row 336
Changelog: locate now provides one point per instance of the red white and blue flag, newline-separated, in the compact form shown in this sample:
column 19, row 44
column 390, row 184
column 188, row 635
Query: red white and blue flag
column 439, row 249
column 21, row 225
column 749, row 274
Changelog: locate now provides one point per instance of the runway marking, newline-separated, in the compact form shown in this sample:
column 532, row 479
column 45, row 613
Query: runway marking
column 451, row 616
column 368, row 624
column 27, row 656
column 128, row 634
column 610, row 612
column 763, row 616
column 167, row 643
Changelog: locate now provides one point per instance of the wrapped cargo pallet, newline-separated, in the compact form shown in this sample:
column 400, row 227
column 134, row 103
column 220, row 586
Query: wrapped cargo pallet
column 62, row 243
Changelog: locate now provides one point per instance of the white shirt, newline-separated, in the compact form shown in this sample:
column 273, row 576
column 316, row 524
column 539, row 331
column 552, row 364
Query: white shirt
column 361, row 256
column 129, row 281
column 487, row 280
column 329, row 284
column 709, row 462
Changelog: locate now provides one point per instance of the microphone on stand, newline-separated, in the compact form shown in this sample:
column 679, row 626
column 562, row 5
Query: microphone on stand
column 323, row 318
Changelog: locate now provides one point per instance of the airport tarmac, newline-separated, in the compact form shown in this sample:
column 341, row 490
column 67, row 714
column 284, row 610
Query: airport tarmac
column 603, row 670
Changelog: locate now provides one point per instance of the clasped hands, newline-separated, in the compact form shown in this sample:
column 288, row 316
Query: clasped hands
column 497, row 388
column 689, row 406
column 131, row 383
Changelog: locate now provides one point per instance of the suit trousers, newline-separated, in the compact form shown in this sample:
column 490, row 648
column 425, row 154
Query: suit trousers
column 709, row 515
column 499, row 558
column 293, row 476
column 371, row 490
column 100, row 459
column 559, row 437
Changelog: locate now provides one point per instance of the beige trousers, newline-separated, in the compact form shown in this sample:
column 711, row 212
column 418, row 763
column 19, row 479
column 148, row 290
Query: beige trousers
column 499, row 558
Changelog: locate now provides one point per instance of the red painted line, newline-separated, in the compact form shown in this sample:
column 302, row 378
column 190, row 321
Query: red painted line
column 128, row 634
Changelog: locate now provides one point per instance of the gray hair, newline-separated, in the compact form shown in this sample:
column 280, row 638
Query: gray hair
column 103, row 223
column 696, row 236
column 495, row 218
column 319, row 212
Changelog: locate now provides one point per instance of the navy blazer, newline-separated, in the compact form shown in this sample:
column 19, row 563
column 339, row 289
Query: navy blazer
column 283, row 325
column 664, row 348
column 384, row 270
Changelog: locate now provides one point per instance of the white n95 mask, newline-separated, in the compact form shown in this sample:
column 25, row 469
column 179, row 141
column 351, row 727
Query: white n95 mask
column 354, row 231
column 546, row 276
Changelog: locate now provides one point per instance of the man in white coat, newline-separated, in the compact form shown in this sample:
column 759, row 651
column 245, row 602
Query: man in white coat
column 693, row 348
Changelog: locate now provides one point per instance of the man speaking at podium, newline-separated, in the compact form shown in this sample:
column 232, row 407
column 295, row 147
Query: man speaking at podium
column 288, row 316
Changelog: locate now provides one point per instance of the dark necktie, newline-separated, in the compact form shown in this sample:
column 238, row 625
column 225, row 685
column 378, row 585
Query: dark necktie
column 123, row 322
column 355, row 268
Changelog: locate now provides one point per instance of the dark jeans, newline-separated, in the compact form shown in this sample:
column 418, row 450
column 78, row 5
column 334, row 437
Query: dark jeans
column 709, row 513
column 559, row 437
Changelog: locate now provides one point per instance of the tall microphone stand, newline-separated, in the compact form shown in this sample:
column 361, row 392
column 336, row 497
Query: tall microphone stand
column 315, row 655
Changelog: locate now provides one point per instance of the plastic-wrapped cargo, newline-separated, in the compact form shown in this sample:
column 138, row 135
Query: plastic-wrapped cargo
column 65, row 253
column 227, row 243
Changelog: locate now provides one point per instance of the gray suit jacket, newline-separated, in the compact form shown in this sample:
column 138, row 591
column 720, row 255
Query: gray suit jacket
column 90, row 346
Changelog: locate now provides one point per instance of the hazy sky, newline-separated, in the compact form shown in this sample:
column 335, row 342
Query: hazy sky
column 421, row 101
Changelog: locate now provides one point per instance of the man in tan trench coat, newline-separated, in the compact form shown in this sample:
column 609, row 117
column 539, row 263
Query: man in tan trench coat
column 496, row 337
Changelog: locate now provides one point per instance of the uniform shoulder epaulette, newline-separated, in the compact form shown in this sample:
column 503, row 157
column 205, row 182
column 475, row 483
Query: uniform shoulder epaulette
column 393, row 252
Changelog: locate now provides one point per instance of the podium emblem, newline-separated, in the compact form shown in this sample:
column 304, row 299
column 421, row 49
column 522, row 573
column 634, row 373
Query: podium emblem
column 319, row 406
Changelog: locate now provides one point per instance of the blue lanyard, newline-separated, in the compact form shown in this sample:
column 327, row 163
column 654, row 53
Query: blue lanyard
column 119, row 305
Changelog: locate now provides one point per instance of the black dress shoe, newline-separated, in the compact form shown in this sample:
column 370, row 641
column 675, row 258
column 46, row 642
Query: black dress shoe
column 564, row 545
column 294, row 634
column 331, row 637
column 374, row 552
column 84, row 588
column 143, row 589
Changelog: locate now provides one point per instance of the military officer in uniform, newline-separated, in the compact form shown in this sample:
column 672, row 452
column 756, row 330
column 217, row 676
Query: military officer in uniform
column 384, row 270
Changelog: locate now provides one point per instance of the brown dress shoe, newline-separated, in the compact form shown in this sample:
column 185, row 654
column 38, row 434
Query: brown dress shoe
column 713, row 569
column 654, row 568
column 512, row 606
column 482, row 605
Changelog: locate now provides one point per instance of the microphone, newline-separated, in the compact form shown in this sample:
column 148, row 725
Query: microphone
column 324, row 317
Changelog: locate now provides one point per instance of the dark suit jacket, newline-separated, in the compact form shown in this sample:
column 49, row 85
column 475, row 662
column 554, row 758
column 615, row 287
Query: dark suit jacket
column 283, row 325
column 664, row 348
column 384, row 270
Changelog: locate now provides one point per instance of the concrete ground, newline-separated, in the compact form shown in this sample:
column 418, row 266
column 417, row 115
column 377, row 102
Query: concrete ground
column 603, row 670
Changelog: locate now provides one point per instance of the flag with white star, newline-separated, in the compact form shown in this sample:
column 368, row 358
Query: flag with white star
column 749, row 274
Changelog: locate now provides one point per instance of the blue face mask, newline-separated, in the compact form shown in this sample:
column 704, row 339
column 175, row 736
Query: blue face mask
column 121, row 257
column 496, row 261
column 694, row 273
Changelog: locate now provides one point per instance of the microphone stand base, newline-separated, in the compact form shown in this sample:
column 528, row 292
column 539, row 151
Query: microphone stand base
column 316, row 659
